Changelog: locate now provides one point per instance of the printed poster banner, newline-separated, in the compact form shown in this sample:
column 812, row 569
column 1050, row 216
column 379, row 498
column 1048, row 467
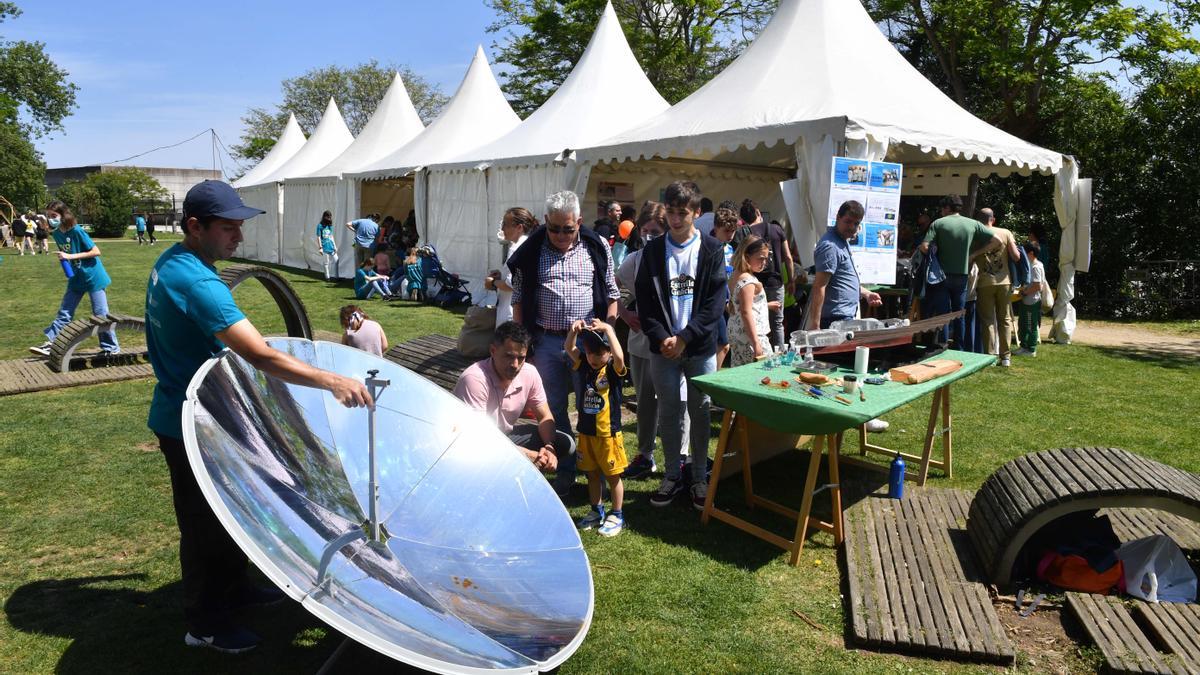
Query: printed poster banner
column 875, row 185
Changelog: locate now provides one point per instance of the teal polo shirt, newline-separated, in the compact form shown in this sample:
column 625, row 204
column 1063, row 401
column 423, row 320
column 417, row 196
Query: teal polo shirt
column 187, row 304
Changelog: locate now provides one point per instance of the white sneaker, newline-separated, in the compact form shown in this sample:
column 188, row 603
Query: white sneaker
column 613, row 524
column 877, row 425
column 1005, row 362
column 43, row 349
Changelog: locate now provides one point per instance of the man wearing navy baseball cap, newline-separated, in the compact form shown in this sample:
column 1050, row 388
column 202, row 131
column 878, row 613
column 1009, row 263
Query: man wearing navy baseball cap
column 190, row 317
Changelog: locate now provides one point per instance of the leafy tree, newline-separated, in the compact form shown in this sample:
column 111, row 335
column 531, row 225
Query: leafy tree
column 1003, row 59
column 108, row 198
column 31, row 81
column 357, row 90
column 22, row 171
column 681, row 44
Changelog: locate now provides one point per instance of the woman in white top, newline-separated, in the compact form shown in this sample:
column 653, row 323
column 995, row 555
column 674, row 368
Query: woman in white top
column 748, row 324
column 518, row 222
column 361, row 332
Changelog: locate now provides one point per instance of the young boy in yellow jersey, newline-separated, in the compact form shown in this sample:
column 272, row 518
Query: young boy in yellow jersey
column 598, row 399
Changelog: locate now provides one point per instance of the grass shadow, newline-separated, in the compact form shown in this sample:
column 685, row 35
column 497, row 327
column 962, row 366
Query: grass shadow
column 780, row 479
column 1163, row 356
column 113, row 626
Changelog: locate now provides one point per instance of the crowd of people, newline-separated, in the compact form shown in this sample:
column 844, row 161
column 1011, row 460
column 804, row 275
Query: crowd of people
column 693, row 301
column 973, row 265
column 387, row 261
column 688, row 299
column 28, row 233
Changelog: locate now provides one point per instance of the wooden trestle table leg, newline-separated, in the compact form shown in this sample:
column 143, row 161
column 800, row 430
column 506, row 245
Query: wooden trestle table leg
column 928, row 449
column 727, row 422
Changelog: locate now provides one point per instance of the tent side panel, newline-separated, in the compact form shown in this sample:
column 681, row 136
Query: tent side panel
column 458, row 224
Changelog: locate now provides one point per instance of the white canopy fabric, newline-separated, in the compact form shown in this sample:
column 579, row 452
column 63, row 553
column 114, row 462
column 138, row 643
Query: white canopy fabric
column 288, row 144
column 329, row 140
column 816, row 62
column 393, row 124
column 477, row 114
column 468, row 194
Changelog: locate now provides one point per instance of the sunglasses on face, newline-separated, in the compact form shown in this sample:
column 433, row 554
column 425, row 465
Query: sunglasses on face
column 561, row 230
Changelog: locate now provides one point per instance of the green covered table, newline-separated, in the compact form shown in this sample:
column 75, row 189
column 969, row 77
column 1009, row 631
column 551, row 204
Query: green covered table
column 790, row 410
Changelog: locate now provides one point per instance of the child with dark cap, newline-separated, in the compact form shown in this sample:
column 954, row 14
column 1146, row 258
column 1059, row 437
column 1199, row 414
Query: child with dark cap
column 601, row 449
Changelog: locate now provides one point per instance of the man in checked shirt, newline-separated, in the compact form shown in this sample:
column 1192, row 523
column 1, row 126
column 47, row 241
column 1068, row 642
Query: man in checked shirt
column 563, row 273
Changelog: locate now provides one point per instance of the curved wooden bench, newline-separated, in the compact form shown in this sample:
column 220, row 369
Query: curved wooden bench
column 1030, row 491
column 295, row 317
column 62, row 350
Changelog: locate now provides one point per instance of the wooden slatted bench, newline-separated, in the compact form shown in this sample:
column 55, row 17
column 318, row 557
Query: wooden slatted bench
column 435, row 357
column 63, row 349
column 1169, row 643
column 1033, row 490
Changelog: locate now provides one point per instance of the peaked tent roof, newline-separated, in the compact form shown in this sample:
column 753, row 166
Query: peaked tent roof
column 394, row 123
column 330, row 139
column 289, row 143
column 581, row 113
column 477, row 114
column 819, row 66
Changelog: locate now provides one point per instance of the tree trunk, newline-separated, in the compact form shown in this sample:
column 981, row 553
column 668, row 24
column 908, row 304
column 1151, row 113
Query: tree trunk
column 969, row 198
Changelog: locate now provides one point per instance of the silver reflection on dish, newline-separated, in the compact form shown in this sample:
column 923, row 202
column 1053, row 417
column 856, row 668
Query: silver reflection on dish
column 480, row 567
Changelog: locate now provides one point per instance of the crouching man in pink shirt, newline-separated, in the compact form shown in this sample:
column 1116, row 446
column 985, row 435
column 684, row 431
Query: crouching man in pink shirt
column 503, row 387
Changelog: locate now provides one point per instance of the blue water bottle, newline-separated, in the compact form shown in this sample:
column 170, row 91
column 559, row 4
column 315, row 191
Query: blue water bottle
column 896, row 478
column 67, row 269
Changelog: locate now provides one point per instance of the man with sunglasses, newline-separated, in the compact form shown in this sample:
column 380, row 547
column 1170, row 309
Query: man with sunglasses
column 563, row 273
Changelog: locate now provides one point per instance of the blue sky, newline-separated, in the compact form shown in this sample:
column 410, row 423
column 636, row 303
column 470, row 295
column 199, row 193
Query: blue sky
column 155, row 73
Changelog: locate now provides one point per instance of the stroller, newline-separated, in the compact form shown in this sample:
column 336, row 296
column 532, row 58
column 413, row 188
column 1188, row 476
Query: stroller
column 444, row 289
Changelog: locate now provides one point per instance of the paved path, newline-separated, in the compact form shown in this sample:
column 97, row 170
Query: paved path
column 1130, row 337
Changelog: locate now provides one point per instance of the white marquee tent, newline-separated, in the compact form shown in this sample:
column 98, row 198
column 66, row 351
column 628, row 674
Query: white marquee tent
column 394, row 123
column 822, row 80
column 467, row 195
column 477, row 114
column 329, row 140
column 286, row 146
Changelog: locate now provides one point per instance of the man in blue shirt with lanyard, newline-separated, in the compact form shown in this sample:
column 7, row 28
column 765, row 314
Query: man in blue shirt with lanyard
column 190, row 317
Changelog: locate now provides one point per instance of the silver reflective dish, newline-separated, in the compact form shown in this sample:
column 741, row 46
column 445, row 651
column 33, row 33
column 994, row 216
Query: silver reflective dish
column 479, row 567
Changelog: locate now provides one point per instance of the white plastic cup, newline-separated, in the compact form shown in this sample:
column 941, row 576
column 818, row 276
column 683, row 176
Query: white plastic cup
column 861, row 355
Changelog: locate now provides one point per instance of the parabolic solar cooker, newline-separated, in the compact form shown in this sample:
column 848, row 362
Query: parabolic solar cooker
column 444, row 548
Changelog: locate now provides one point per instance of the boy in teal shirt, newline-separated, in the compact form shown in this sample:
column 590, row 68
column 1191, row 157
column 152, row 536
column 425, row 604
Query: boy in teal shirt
column 88, row 278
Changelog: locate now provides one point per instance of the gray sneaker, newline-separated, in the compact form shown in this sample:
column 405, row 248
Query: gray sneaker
column 666, row 491
column 699, row 495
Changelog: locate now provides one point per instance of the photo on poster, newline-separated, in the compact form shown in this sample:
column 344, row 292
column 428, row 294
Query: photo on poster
column 853, row 173
column 886, row 176
column 879, row 236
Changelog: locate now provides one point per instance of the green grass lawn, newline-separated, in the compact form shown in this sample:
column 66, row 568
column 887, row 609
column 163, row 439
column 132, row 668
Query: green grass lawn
column 89, row 573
